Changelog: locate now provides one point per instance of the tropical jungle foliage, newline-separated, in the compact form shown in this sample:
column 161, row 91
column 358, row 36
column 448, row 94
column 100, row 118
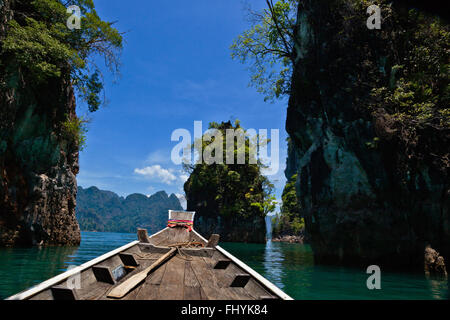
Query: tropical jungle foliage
column 289, row 220
column 269, row 47
column 229, row 189
column 39, row 45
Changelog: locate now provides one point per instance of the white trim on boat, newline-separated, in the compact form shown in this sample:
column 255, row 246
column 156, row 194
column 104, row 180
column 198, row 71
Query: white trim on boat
column 55, row 280
column 252, row 272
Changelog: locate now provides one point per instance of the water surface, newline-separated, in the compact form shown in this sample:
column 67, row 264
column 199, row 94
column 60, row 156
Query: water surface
column 289, row 266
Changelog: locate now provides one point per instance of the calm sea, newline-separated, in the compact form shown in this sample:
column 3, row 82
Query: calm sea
column 290, row 266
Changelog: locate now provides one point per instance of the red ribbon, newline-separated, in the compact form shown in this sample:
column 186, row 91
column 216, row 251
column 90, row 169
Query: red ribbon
column 172, row 223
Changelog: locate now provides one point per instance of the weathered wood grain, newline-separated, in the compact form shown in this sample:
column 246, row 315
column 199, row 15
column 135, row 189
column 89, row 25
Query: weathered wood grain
column 157, row 272
column 172, row 284
column 213, row 241
column 123, row 288
column 142, row 235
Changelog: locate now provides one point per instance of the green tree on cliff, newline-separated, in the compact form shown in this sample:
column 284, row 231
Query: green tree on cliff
column 289, row 221
column 229, row 189
column 406, row 67
column 40, row 45
column 268, row 47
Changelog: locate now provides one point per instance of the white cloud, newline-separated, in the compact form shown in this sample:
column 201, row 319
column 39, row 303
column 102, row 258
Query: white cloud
column 157, row 172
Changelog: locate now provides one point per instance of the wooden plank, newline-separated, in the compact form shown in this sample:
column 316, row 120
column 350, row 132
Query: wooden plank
column 134, row 249
column 198, row 252
column 181, row 215
column 151, row 248
column 157, row 237
column 213, row 241
column 157, row 275
column 172, row 284
column 190, row 280
column 192, row 293
column 44, row 295
column 176, row 235
column 208, row 281
column 144, row 263
column 122, row 289
column 203, row 273
column 142, row 235
column 192, row 289
column 94, row 291
column 254, row 289
column 174, row 273
column 149, row 290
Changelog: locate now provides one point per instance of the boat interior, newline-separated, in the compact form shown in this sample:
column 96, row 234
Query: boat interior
column 197, row 270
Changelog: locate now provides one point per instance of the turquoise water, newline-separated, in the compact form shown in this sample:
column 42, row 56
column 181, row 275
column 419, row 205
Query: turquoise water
column 290, row 266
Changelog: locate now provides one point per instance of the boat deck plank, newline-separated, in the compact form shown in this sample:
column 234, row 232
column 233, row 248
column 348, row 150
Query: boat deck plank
column 150, row 288
column 172, row 283
column 94, row 291
column 192, row 289
column 212, row 287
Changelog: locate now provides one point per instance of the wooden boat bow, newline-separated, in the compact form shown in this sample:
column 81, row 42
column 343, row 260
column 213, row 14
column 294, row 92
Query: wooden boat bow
column 175, row 263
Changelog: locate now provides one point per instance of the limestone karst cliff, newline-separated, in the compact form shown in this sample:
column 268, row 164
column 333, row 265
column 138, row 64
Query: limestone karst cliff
column 38, row 164
column 44, row 61
column 371, row 156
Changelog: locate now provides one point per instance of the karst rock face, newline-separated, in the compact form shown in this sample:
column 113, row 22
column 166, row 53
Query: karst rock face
column 434, row 264
column 38, row 164
column 361, row 204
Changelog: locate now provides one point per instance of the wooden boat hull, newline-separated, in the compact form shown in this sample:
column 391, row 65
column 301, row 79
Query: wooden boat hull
column 205, row 273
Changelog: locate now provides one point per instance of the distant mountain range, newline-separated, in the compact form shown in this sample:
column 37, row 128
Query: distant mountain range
column 100, row 210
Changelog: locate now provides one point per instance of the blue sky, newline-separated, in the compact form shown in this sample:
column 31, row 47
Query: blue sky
column 176, row 69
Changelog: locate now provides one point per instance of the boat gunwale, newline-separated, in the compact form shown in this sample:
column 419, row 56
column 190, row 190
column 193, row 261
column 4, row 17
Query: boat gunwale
column 47, row 284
